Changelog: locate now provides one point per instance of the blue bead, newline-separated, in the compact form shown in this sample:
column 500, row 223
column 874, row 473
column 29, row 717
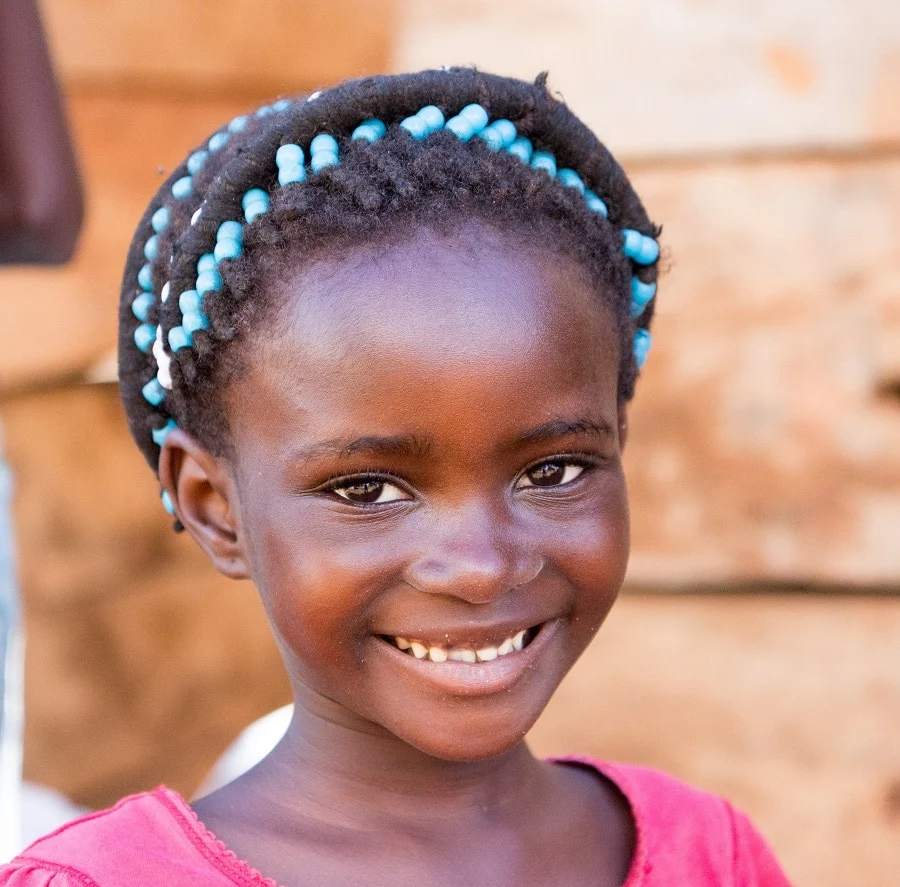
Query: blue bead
column 179, row 338
column 160, row 219
column 188, row 301
column 209, row 282
column 239, row 124
column 257, row 208
column 433, row 117
column 282, row 105
column 206, row 262
column 144, row 337
column 153, row 392
column 595, row 204
column 639, row 248
column 545, row 161
column 507, row 131
column 254, row 195
column 417, row 127
column 230, row 230
column 321, row 159
column 141, row 306
column 641, row 294
column 264, row 111
column 461, row 128
column 195, row 320
column 145, row 278
column 159, row 435
column 493, row 138
column 369, row 131
column 196, row 162
column 182, row 188
column 570, row 179
column 228, row 249
column 289, row 155
column 167, row 502
column 641, row 346
column 151, row 248
column 521, row 148
column 289, row 174
column 476, row 115
column 323, row 142
column 219, row 140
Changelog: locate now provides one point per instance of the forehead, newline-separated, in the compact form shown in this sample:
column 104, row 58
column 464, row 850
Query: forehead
column 440, row 317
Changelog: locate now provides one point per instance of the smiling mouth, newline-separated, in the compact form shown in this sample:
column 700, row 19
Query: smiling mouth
column 440, row 653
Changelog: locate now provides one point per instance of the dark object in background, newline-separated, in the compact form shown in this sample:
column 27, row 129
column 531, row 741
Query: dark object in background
column 41, row 203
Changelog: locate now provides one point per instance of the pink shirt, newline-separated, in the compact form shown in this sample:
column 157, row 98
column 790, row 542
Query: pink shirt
column 685, row 838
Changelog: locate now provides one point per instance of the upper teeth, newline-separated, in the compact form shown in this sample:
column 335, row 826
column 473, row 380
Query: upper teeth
column 460, row 654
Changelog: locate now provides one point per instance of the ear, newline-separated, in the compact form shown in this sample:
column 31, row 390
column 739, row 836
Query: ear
column 205, row 500
column 623, row 424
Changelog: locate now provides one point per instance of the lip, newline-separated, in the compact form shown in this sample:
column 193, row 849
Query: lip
column 477, row 678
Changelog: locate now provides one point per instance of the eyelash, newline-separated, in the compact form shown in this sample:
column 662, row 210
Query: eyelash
column 587, row 461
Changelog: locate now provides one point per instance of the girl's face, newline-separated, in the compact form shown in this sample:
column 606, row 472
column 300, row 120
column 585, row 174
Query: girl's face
column 427, row 458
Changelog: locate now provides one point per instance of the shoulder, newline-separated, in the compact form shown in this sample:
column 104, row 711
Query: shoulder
column 687, row 835
column 147, row 839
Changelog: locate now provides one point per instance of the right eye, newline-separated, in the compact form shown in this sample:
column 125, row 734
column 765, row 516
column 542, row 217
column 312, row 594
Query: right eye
column 369, row 491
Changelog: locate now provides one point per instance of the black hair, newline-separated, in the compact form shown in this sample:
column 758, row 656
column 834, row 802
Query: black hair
column 378, row 191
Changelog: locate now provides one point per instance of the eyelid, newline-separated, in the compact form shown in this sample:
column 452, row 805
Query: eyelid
column 584, row 460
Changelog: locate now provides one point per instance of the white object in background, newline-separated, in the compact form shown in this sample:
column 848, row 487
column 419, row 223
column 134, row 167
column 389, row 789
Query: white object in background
column 248, row 749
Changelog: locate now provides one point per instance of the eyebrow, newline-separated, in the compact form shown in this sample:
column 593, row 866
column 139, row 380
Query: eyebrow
column 557, row 428
column 414, row 445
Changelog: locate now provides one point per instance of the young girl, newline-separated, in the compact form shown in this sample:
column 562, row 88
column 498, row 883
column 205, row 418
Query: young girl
column 379, row 345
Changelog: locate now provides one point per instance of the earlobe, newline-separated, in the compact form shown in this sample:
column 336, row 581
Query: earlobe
column 203, row 494
column 623, row 425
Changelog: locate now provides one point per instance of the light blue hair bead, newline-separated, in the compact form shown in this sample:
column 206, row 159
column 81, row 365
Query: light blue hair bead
column 289, row 155
column 230, row 230
column 433, row 117
column 206, row 262
column 571, row 179
column 322, row 159
column 228, row 249
column 545, row 161
column 153, row 392
column 492, row 138
column 282, row 105
column 264, row 111
column 218, row 141
column 209, row 282
column 140, row 307
column 642, row 342
column 195, row 320
column 189, row 300
column 324, row 142
column 145, row 278
column 641, row 294
column 461, row 127
column 144, row 337
column 159, row 435
column 160, row 219
column 506, row 129
column 167, row 502
column 476, row 115
column 151, row 248
column 254, row 195
column 182, row 188
column 290, row 174
column 595, row 204
column 197, row 161
column 255, row 209
column 239, row 124
column 416, row 126
column 179, row 338
column 369, row 131
column 640, row 248
column 521, row 148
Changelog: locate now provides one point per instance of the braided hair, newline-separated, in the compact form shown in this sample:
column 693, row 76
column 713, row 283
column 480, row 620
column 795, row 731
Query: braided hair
column 387, row 184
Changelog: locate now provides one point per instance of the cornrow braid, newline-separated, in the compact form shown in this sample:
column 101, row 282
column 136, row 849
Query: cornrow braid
column 388, row 154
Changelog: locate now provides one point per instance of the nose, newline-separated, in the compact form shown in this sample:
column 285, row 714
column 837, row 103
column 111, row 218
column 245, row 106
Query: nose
column 473, row 554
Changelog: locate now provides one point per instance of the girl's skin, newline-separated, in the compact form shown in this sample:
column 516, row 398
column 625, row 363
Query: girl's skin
column 472, row 381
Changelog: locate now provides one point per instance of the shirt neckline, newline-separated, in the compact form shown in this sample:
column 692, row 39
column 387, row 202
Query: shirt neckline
column 220, row 855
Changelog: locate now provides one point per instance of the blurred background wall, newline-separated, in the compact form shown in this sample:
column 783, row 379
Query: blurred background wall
column 756, row 649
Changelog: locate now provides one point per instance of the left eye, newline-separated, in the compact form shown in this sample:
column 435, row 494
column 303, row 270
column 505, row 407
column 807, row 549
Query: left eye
column 370, row 491
column 550, row 474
